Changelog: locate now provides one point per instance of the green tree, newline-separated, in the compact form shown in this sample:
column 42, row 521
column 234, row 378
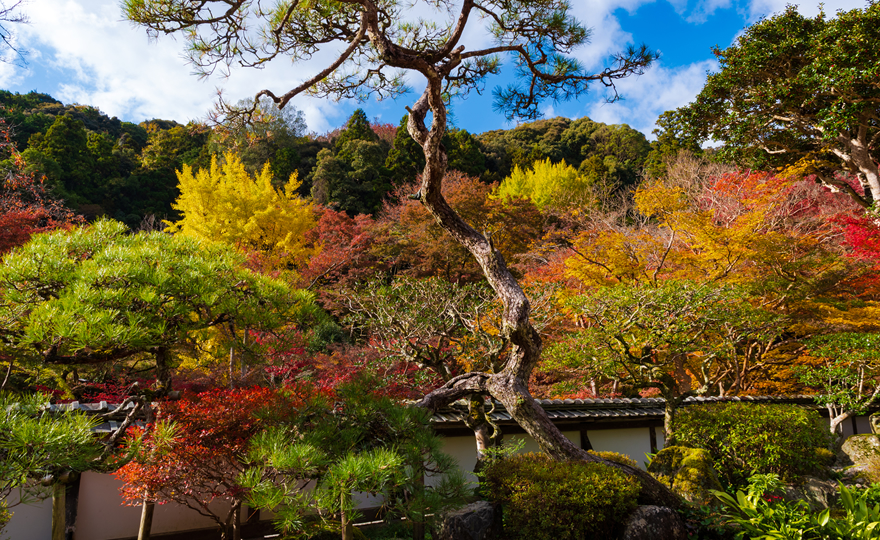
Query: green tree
column 525, row 144
column 352, row 441
column 271, row 135
column 24, row 112
column 796, row 92
column 34, row 445
column 356, row 129
column 97, row 294
column 405, row 159
column 353, row 177
column 151, row 188
column 63, row 155
column 43, row 449
column 848, row 376
column 677, row 336
column 464, row 153
column 379, row 40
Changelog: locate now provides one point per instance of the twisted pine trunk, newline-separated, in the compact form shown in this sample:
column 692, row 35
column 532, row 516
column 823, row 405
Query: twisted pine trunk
column 509, row 386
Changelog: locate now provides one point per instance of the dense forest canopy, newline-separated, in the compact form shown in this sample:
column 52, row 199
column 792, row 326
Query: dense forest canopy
column 126, row 171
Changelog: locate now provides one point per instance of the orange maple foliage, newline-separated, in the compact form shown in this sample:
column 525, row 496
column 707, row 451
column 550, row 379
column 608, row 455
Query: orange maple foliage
column 421, row 248
column 26, row 207
column 198, row 458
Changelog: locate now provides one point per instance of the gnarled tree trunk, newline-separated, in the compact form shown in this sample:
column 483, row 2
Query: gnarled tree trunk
column 509, row 386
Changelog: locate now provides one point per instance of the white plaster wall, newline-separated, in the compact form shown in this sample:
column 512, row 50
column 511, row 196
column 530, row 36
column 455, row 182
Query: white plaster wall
column 864, row 424
column 103, row 516
column 29, row 521
column 464, row 451
column 632, row 442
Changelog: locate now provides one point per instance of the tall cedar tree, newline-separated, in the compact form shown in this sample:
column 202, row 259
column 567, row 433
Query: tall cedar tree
column 378, row 40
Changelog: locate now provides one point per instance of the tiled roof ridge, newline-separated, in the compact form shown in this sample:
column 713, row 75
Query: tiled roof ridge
column 662, row 401
column 604, row 409
column 598, row 403
column 654, row 402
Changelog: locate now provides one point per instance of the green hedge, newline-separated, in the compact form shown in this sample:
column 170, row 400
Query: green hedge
column 544, row 499
column 749, row 438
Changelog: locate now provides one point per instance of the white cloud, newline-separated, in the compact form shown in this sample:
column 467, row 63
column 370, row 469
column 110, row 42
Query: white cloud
column 10, row 73
column 107, row 62
column 809, row 8
column 607, row 35
column 705, row 8
column 660, row 89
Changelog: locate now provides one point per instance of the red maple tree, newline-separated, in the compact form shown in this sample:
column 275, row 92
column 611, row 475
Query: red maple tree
column 198, row 456
column 26, row 206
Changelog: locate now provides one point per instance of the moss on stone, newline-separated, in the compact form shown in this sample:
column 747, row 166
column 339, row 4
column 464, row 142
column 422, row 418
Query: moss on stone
column 862, row 448
column 687, row 471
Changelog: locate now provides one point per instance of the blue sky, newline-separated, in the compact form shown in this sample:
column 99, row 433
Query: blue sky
column 81, row 51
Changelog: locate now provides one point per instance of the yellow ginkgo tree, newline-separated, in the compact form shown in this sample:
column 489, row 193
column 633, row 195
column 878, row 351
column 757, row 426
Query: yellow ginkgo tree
column 225, row 203
column 548, row 185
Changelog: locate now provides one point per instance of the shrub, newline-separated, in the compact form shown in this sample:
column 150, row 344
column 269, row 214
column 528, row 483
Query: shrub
column 549, row 500
column 746, row 439
column 759, row 515
column 5, row 515
column 687, row 471
column 615, row 457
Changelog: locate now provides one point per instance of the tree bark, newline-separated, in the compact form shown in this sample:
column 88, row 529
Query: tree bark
column 146, row 520
column 509, row 386
column 344, row 520
column 163, row 370
column 8, row 373
column 232, row 527
column 59, row 491
column 672, row 403
column 486, row 434
column 835, row 424
column 71, row 504
column 418, row 532
column 236, row 521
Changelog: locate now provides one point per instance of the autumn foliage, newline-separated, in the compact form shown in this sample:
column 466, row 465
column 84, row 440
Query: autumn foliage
column 26, row 206
column 195, row 451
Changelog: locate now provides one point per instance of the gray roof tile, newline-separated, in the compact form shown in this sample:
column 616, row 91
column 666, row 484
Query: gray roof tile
column 604, row 408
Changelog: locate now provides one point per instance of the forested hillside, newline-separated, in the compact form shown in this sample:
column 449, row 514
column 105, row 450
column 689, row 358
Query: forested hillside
column 102, row 166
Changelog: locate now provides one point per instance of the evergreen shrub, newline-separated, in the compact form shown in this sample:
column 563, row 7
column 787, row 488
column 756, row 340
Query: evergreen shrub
column 749, row 438
column 543, row 499
column 615, row 457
